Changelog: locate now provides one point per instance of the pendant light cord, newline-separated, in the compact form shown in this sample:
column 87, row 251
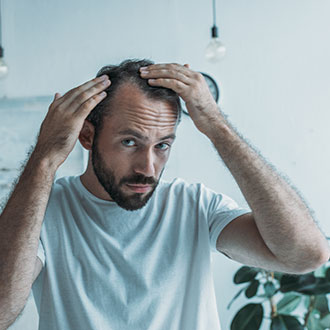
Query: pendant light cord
column 214, row 13
column 214, row 29
column 0, row 26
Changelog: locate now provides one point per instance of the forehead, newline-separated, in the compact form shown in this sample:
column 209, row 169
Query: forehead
column 132, row 110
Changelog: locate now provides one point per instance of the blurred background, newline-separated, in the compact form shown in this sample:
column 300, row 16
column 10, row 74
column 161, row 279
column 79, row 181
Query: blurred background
column 274, row 85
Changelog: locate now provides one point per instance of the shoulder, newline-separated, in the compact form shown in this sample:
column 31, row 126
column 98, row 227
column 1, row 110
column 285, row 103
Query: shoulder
column 180, row 189
column 64, row 183
column 64, row 186
column 178, row 186
column 183, row 191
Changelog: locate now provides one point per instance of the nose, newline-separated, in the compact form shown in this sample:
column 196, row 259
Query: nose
column 145, row 163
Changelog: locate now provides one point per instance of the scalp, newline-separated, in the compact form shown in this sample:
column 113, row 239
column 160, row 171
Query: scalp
column 132, row 105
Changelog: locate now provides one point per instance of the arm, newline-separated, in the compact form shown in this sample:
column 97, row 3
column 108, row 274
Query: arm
column 280, row 234
column 21, row 220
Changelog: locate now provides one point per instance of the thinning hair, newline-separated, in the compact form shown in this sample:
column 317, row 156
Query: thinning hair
column 128, row 72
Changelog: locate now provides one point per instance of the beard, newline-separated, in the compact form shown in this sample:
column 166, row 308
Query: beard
column 107, row 179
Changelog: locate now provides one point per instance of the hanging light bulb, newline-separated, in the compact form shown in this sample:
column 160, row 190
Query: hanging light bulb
column 3, row 65
column 215, row 50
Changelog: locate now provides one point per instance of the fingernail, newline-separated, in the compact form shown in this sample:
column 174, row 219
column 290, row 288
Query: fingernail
column 104, row 77
column 144, row 68
column 103, row 94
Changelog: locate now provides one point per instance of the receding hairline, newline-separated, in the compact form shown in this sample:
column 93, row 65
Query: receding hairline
column 128, row 72
column 132, row 83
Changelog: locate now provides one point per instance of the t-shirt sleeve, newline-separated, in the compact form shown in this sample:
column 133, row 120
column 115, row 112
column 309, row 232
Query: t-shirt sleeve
column 41, row 253
column 221, row 211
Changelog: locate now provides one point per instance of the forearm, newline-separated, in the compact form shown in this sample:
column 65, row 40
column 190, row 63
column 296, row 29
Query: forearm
column 285, row 224
column 282, row 218
column 20, row 225
column 21, row 220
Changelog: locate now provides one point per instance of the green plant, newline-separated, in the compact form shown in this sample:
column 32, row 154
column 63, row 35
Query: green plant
column 293, row 302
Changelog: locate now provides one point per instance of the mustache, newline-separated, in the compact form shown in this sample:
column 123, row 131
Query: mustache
column 138, row 179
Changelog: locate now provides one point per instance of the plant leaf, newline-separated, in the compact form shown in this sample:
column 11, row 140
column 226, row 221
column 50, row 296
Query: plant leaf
column 285, row 322
column 252, row 289
column 288, row 303
column 321, row 286
column 321, row 271
column 325, row 321
column 314, row 321
column 327, row 274
column 278, row 276
column 245, row 274
column 247, row 318
column 307, row 300
column 321, row 304
column 236, row 296
column 307, row 284
column 294, row 282
column 269, row 289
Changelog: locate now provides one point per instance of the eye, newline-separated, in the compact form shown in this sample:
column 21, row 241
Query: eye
column 128, row 143
column 163, row 146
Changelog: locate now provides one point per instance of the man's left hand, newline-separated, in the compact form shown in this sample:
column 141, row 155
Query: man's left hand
column 190, row 86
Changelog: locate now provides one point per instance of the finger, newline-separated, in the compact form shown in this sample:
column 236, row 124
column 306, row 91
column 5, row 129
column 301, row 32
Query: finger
column 87, row 85
column 90, row 104
column 164, row 67
column 161, row 66
column 57, row 96
column 174, row 84
column 168, row 67
column 169, row 72
column 65, row 100
column 81, row 94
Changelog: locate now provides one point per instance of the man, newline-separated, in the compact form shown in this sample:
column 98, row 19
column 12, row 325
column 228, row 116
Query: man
column 120, row 248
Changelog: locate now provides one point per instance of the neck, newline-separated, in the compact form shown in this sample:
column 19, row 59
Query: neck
column 92, row 184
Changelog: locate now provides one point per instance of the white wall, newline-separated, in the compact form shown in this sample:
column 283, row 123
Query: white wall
column 275, row 79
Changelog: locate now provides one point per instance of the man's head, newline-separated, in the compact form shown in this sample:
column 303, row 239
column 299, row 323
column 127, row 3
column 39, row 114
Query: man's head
column 132, row 132
column 128, row 72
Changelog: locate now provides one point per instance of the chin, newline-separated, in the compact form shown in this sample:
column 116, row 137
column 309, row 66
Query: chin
column 133, row 202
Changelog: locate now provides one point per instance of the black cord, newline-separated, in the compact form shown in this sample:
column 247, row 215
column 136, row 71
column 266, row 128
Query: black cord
column 214, row 15
column 214, row 29
column 0, row 26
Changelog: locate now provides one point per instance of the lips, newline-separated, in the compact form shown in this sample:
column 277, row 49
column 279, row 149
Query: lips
column 139, row 188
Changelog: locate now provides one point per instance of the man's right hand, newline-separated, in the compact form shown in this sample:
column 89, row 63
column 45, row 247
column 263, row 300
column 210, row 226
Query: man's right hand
column 22, row 218
column 65, row 117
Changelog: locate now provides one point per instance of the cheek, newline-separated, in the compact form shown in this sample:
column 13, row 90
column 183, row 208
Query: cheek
column 115, row 159
column 161, row 160
column 164, row 157
column 121, row 163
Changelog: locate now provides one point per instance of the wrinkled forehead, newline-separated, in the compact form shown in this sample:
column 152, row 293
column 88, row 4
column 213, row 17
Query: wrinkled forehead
column 132, row 109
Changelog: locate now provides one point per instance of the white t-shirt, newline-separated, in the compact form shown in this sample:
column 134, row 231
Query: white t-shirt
column 106, row 268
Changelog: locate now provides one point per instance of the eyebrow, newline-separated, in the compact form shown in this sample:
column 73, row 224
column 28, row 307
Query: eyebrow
column 141, row 137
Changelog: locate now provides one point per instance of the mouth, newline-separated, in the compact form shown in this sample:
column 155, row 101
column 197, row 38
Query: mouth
column 139, row 188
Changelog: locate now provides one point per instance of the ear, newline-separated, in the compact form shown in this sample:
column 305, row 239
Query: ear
column 86, row 135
